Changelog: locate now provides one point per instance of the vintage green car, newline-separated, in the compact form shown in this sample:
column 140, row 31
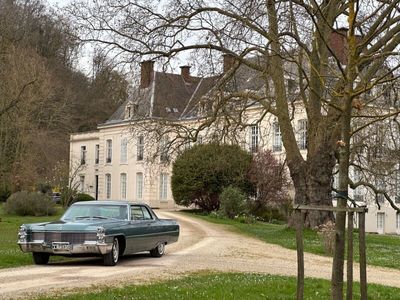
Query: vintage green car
column 99, row 228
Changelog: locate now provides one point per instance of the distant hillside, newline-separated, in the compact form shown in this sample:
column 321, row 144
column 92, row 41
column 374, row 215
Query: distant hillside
column 43, row 97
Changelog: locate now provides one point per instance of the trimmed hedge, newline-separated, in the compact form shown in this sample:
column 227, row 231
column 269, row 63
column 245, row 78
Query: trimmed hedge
column 82, row 197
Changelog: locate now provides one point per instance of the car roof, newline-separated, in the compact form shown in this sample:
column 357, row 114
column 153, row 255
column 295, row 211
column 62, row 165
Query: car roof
column 107, row 202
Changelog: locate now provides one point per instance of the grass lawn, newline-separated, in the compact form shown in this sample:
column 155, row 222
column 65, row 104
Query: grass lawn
column 10, row 254
column 227, row 286
column 382, row 250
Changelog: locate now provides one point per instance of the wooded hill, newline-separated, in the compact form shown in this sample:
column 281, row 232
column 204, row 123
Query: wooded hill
column 43, row 97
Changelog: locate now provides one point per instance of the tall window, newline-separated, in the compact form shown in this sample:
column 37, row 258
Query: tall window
column 254, row 136
column 380, row 185
column 83, row 155
column 358, row 192
column 302, row 134
column 397, row 220
column 140, row 148
column 164, row 149
column 108, row 186
column 109, row 151
column 139, row 186
column 82, row 183
column 123, row 185
column 291, row 86
column 96, row 154
column 163, row 186
column 277, row 140
column 380, row 220
column 124, row 150
column 188, row 144
column 397, row 187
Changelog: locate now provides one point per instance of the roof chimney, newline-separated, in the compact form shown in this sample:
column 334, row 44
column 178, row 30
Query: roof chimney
column 185, row 73
column 146, row 73
column 338, row 43
column 229, row 60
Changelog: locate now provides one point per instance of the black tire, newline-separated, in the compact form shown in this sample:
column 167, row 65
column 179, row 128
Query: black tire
column 111, row 259
column 41, row 258
column 158, row 251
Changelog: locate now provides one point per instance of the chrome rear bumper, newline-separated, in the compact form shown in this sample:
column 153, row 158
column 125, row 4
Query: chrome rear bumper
column 91, row 247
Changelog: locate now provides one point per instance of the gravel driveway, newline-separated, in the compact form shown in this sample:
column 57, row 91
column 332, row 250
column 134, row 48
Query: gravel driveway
column 201, row 246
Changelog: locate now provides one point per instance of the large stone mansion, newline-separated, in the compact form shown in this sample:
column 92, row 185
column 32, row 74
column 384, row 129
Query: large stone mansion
column 118, row 162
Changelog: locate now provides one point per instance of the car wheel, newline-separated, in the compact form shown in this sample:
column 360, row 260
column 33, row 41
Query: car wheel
column 111, row 259
column 158, row 251
column 40, row 258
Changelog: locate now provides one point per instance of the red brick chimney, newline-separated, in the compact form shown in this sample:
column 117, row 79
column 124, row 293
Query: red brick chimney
column 338, row 43
column 185, row 73
column 146, row 73
column 229, row 61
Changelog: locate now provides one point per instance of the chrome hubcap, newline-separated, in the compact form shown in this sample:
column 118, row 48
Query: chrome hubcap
column 161, row 248
column 115, row 250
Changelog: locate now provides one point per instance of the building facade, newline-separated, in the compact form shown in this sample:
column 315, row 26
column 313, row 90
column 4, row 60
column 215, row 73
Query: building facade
column 123, row 159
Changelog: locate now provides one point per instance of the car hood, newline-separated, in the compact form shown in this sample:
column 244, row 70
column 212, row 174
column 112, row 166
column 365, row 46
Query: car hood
column 77, row 225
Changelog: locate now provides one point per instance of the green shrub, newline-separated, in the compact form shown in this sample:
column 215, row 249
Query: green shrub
column 233, row 202
column 82, row 197
column 201, row 173
column 30, row 204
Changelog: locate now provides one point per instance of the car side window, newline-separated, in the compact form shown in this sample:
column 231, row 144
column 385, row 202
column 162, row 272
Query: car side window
column 146, row 213
column 136, row 213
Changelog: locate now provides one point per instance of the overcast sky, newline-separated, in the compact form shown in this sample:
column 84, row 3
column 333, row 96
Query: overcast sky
column 59, row 3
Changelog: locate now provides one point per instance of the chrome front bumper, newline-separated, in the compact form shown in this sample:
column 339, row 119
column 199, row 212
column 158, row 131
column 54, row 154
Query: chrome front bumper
column 91, row 247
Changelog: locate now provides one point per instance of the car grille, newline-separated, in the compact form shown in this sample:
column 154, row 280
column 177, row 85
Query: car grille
column 71, row 237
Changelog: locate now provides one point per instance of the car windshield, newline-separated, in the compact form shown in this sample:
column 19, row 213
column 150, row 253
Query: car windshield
column 76, row 212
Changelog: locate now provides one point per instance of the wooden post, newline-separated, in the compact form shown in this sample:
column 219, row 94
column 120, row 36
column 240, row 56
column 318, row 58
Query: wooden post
column 300, row 254
column 349, row 289
column 363, row 258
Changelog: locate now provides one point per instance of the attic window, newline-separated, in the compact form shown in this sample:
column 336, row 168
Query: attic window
column 167, row 109
column 175, row 110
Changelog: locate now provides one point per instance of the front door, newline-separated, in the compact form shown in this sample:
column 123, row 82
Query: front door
column 140, row 232
column 380, row 222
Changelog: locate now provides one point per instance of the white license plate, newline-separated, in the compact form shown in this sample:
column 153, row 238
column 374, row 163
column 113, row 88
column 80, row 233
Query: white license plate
column 61, row 246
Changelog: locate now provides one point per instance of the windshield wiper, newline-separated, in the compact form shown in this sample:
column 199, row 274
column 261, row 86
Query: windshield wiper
column 99, row 217
column 82, row 217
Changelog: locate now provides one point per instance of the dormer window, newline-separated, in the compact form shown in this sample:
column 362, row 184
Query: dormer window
column 291, row 86
column 131, row 110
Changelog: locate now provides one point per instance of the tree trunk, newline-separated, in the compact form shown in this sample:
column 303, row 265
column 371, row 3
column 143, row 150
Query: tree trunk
column 344, row 157
column 313, row 186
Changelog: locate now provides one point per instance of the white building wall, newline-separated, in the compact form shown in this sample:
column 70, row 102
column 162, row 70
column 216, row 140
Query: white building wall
column 152, row 170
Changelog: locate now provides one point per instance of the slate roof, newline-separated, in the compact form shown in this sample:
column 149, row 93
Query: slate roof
column 169, row 96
